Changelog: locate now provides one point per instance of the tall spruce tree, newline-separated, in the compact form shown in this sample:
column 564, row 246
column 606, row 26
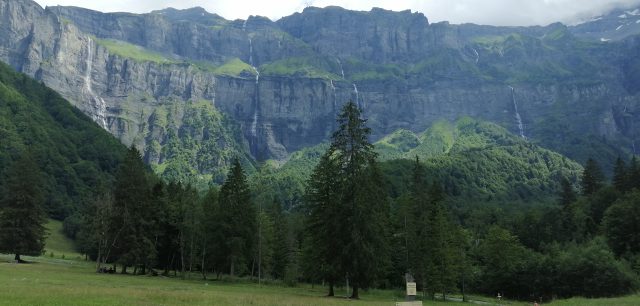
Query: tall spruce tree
column 420, row 223
column 567, row 194
column 22, row 215
column 592, row 177
column 132, row 199
column 349, row 204
column 633, row 177
column 238, row 217
column 323, row 222
column 620, row 175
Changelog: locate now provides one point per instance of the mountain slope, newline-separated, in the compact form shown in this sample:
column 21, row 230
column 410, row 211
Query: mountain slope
column 283, row 82
column 75, row 154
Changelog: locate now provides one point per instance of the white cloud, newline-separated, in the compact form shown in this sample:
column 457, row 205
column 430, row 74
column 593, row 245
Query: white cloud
column 493, row 12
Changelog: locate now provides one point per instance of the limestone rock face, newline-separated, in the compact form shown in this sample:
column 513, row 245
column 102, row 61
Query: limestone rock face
column 283, row 82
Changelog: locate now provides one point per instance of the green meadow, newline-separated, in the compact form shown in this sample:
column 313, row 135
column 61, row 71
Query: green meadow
column 55, row 284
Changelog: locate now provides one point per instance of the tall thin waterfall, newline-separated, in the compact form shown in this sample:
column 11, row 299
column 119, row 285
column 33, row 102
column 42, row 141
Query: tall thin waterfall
column 251, row 53
column 99, row 105
column 335, row 97
column 256, row 98
column 477, row 55
column 341, row 68
column 357, row 96
column 513, row 95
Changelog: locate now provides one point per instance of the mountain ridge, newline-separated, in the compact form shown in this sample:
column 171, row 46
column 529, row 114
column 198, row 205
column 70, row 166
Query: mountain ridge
column 283, row 85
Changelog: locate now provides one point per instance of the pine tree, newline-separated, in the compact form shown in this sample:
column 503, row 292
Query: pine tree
column 633, row 180
column 348, row 205
column 620, row 176
column 135, row 222
column 210, row 229
column 238, row 217
column 592, row 177
column 265, row 227
column 22, row 215
column 420, row 224
column 323, row 222
column 567, row 194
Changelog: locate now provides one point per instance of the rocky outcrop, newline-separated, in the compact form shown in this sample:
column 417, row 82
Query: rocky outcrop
column 295, row 74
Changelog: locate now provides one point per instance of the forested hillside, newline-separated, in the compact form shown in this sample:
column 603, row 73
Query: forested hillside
column 479, row 163
column 74, row 153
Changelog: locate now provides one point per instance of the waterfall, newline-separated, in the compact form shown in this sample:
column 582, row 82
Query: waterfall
column 477, row 55
column 357, row 96
column 251, row 53
column 244, row 25
column 254, row 124
column 256, row 97
column 335, row 97
column 341, row 68
column 257, row 74
column 100, row 106
column 513, row 95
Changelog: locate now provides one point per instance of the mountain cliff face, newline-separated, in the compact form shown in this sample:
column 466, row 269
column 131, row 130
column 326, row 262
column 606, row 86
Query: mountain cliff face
column 265, row 89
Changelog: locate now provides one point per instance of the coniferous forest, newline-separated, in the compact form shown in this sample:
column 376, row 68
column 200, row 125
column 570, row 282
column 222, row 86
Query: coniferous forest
column 490, row 213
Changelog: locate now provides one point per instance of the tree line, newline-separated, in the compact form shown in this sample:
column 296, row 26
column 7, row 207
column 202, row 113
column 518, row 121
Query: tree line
column 349, row 231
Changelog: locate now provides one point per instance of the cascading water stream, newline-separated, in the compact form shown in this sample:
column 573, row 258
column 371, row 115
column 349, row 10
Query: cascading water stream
column 513, row 95
column 357, row 96
column 100, row 105
column 335, row 97
column 341, row 68
column 256, row 97
column 477, row 55
column 251, row 53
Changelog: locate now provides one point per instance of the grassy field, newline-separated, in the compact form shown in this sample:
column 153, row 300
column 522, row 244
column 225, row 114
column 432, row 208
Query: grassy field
column 60, row 284
column 47, row 284
column 58, row 243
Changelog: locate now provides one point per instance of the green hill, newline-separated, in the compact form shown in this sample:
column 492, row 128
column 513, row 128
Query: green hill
column 477, row 162
column 73, row 152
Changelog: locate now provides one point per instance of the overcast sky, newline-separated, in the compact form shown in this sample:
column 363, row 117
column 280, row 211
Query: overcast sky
column 492, row 12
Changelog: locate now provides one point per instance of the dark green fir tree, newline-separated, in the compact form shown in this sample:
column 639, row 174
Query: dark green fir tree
column 22, row 215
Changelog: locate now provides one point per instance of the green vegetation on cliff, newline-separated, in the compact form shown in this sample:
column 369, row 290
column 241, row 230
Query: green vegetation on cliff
column 193, row 142
column 128, row 50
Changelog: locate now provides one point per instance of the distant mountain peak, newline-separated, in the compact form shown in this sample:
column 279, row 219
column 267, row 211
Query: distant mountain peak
column 617, row 24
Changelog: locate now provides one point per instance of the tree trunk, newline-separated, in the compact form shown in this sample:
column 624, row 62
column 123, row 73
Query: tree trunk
column 98, row 259
column 331, row 293
column 464, row 296
column 183, row 268
column 135, row 270
column 204, row 271
column 18, row 257
column 354, row 294
column 233, row 262
column 124, row 269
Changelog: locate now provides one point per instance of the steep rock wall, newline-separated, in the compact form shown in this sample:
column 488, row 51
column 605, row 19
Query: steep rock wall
column 277, row 115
